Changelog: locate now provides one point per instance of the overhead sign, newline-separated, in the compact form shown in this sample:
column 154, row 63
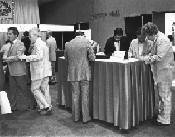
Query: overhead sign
column 55, row 28
column 20, row 27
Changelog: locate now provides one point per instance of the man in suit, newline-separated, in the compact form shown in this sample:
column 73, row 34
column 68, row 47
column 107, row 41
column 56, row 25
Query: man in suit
column 140, row 46
column 40, row 68
column 161, row 59
column 78, row 53
column 117, row 43
column 17, row 70
column 51, row 43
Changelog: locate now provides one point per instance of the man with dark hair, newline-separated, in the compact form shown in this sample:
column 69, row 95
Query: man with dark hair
column 161, row 59
column 116, row 43
column 140, row 46
column 52, row 45
column 25, row 39
column 78, row 53
column 17, row 70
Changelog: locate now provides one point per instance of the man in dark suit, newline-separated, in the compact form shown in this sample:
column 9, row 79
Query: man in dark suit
column 79, row 52
column 117, row 43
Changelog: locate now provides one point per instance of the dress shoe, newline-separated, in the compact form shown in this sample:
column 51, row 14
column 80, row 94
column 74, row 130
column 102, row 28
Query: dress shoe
column 31, row 108
column 46, row 111
column 13, row 110
column 155, row 122
column 52, row 82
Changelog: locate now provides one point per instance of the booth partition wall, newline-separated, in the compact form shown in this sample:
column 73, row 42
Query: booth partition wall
column 133, row 23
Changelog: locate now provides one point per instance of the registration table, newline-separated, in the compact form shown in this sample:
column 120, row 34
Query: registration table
column 121, row 92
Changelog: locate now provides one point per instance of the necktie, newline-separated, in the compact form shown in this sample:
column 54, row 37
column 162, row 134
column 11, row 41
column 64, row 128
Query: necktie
column 10, row 49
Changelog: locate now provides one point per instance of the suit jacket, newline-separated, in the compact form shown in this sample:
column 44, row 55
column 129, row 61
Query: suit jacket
column 162, row 59
column 79, row 52
column 16, row 66
column 51, row 43
column 110, row 48
column 2, row 78
column 144, row 48
column 40, row 66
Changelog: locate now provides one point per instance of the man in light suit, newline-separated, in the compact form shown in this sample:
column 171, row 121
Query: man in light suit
column 51, row 43
column 140, row 46
column 17, row 70
column 40, row 68
column 161, row 59
column 78, row 53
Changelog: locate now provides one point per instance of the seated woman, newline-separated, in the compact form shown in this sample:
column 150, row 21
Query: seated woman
column 140, row 46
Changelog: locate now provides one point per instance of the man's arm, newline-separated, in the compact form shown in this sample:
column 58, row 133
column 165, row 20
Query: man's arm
column 91, row 55
column 20, row 51
column 162, row 49
column 38, row 54
column 65, row 52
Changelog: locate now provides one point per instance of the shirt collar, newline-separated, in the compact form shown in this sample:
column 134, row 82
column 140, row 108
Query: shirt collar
column 14, row 41
column 38, row 39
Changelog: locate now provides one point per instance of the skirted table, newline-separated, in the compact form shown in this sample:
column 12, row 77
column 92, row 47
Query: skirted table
column 120, row 92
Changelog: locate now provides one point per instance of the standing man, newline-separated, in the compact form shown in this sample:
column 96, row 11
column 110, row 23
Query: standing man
column 51, row 43
column 161, row 59
column 78, row 53
column 40, row 68
column 116, row 43
column 17, row 70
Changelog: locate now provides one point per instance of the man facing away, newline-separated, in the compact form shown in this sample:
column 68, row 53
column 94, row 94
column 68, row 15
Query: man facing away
column 51, row 43
column 17, row 70
column 78, row 53
column 161, row 59
column 40, row 68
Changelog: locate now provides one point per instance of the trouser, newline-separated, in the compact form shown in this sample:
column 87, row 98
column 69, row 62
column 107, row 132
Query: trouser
column 53, row 77
column 28, row 75
column 40, row 89
column 18, row 83
column 165, row 102
column 80, row 87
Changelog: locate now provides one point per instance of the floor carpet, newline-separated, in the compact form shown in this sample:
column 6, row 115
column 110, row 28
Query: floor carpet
column 60, row 123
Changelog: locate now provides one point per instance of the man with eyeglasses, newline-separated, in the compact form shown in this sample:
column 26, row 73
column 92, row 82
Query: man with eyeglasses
column 40, row 68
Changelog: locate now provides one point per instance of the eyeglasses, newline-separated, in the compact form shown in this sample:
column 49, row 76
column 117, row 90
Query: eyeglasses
column 32, row 35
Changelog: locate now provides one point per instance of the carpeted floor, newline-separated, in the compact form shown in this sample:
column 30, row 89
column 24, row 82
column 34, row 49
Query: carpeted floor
column 30, row 123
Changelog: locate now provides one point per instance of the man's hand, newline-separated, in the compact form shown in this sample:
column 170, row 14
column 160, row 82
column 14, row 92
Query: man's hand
column 146, row 59
column 22, row 57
